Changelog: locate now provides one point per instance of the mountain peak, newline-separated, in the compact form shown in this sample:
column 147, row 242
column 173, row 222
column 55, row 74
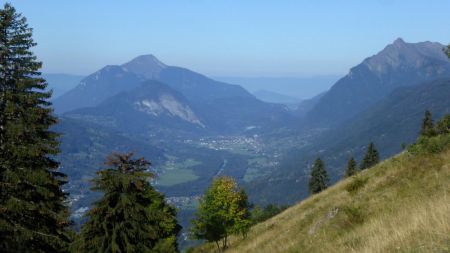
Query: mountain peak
column 401, row 54
column 147, row 66
column 399, row 41
column 147, row 59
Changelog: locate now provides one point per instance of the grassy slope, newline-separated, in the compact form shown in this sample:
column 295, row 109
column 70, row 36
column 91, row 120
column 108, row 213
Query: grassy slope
column 403, row 205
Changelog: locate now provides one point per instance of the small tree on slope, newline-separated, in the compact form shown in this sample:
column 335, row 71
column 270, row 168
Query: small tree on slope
column 371, row 157
column 223, row 211
column 427, row 125
column 131, row 217
column 351, row 168
column 33, row 214
column 319, row 178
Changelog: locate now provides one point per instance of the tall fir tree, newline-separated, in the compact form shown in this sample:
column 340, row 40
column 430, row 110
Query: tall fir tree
column 427, row 125
column 351, row 168
column 371, row 157
column 131, row 217
column 319, row 177
column 33, row 213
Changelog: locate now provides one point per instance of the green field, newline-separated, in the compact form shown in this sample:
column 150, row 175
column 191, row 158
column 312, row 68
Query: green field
column 177, row 176
column 254, row 168
column 178, row 172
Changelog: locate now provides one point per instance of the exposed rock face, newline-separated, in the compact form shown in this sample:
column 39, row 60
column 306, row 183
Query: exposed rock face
column 167, row 104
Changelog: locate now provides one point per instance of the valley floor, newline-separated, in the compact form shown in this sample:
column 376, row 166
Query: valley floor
column 401, row 205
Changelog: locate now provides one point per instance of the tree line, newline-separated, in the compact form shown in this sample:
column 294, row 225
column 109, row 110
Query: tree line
column 319, row 179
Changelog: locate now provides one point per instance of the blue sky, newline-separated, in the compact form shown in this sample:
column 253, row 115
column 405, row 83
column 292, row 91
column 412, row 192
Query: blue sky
column 228, row 37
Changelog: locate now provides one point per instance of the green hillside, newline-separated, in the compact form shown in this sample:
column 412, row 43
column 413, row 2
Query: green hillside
column 400, row 205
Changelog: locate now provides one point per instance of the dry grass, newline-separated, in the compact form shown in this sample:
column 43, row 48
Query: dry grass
column 403, row 205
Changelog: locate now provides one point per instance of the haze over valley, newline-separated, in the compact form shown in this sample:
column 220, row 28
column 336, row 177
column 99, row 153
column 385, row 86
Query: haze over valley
column 213, row 127
column 196, row 128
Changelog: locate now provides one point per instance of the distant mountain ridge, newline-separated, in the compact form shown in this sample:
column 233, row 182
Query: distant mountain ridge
column 61, row 83
column 299, row 87
column 274, row 97
column 114, row 79
column 95, row 88
column 222, row 107
column 398, row 64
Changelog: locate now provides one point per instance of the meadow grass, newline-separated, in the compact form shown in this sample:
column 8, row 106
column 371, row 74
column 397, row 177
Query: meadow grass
column 400, row 205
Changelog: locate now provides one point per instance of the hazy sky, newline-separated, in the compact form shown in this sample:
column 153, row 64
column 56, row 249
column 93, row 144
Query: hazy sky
column 226, row 37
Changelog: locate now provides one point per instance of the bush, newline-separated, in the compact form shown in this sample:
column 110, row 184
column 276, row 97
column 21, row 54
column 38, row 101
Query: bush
column 357, row 183
column 430, row 145
column 354, row 214
column 443, row 126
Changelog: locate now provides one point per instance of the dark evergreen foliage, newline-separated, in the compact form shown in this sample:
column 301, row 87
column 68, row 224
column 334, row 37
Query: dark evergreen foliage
column 351, row 168
column 33, row 214
column 132, row 216
column 371, row 157
column 443, row 125
column 447, row 51
column 427, row 125
column 260, row 214
column 436, row 143
column 319, row 178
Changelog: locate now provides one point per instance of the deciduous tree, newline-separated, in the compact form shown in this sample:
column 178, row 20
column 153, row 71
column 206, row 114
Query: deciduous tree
column 223, row 211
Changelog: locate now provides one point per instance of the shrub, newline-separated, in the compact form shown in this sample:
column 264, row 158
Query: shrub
column 430, row 145
column 443, row 126
column 357, row 183
column 354, row 214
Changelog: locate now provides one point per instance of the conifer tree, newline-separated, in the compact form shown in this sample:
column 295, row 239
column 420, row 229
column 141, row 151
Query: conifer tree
column 351, row 168
column 443, row 125
column 371, row 157
column 319, row 178
column 131, row 217
column 260, row 214
column 33, row 213
column 427, row 125
column 223, row 210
